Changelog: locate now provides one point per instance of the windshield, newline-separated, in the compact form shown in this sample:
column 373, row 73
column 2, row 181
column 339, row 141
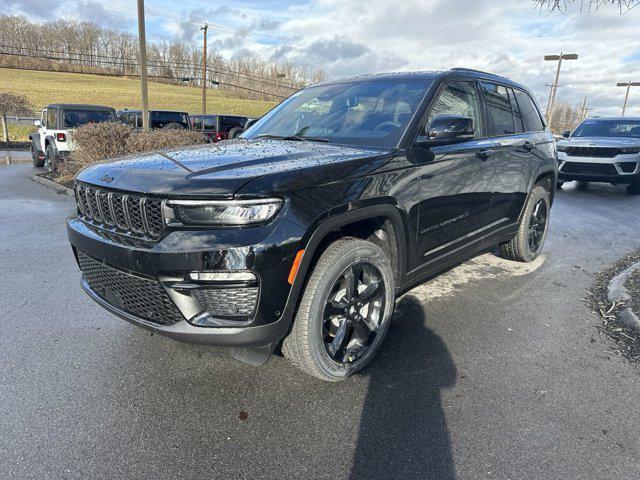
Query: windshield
column 160, row 119
column 75, row 118
column 369, row 113
column 608, row 128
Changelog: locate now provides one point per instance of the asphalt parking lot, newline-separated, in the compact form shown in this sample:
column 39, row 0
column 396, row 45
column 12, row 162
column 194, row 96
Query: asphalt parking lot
column 493, row 371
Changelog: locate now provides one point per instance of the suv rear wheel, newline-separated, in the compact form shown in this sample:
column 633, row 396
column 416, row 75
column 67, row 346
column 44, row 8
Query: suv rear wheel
column 532, row 232
column 345, row 311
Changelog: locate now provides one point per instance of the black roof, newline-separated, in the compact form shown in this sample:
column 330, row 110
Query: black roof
column 211, row 115
column 79, row 106
column 153, row 110
column 426, row 75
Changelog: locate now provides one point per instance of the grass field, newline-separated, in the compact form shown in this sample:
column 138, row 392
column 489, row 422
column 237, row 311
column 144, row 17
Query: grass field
column 42, row 88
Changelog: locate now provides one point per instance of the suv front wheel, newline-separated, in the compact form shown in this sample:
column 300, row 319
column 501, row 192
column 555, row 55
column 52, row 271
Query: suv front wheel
column 345, row 311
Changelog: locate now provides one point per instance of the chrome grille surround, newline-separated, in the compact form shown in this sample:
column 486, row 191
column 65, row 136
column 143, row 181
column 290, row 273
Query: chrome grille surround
column 120, row 214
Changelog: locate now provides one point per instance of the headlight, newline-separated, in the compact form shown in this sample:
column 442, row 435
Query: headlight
column 561, row 148
column 630, row 150
column 231, row 213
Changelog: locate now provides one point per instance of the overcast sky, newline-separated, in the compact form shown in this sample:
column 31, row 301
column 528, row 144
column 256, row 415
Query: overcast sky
column 346, row 37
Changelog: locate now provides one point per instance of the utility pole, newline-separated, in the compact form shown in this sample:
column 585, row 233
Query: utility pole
column 143, row 66
column 626, row 96
column 583, row 110
column 204, row 68
column 554, row 88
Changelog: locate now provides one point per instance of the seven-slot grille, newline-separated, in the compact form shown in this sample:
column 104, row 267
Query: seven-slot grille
column 127, row 213
column 601, row 152
column 140, row 296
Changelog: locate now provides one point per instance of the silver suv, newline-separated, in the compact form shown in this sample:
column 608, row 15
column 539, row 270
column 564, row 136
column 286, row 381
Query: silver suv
column 602, row 150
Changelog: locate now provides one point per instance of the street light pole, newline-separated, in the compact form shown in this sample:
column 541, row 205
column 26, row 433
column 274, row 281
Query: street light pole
column 143, row 66
column 626, row 96
column 554, row 88
column 204, row 69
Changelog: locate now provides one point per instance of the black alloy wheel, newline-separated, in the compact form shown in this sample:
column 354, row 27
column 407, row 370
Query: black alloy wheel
column 353, row 312
column 537, row 226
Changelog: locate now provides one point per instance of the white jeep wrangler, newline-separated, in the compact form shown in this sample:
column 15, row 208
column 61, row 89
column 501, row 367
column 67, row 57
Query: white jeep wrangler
column 50, row 144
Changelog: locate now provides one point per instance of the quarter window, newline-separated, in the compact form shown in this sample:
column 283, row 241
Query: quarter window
column 197, row 123
column 499, row 108
column 459, row 98
column 530, row 114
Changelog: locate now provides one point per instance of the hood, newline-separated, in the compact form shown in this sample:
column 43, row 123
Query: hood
column 611, row 142
column 217, row 170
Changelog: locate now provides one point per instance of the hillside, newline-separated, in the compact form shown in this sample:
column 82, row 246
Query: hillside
column 42, row 88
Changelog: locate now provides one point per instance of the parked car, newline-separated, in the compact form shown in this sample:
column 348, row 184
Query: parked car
column 219, row 127
column 340, row 199
column 167, row 119
column 50, row 143
column 602, row 150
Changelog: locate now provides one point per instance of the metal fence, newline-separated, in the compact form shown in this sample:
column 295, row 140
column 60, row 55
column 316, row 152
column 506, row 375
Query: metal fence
column 22, row 120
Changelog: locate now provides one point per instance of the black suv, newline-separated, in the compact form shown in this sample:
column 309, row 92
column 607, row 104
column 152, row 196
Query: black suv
column 301, row 233
column 168, row 119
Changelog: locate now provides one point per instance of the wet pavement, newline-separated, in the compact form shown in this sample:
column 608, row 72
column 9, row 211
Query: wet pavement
column 11, row 157
column 494, row 370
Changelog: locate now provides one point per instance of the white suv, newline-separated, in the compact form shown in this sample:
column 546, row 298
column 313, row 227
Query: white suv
column 602, row 150
column 50, row 143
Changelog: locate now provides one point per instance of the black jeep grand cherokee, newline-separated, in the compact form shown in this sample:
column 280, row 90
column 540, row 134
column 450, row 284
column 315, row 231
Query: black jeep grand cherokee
column 306, row 229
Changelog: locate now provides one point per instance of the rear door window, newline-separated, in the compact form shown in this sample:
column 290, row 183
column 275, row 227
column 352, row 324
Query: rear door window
column 496, row 98
column 517, row 115
column 227, row 123
column 530, row 114
column 161, row 119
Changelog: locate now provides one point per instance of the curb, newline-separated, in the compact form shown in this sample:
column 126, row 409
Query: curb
column 51, row 184
column 617, row 293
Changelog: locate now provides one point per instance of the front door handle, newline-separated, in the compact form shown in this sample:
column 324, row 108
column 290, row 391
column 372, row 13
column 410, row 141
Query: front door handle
column 484, row 154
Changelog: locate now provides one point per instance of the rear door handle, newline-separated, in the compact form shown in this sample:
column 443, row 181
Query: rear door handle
column 485, row 153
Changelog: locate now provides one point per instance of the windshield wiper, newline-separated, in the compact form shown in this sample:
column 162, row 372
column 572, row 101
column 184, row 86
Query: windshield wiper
column 297, row 138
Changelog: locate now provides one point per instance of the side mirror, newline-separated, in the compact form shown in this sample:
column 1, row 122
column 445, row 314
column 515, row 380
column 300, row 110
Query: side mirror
column 449, row 128
column 37, row 123
column 566, row 133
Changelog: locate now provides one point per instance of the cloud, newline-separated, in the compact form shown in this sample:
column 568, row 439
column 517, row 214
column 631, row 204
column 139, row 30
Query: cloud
column 348, row 37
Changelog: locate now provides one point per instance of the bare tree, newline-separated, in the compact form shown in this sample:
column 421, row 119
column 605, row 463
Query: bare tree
column 586, row 5
column 565, row 117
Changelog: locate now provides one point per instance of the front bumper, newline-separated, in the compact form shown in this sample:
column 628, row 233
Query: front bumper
column 267, row 251
column 619, row 170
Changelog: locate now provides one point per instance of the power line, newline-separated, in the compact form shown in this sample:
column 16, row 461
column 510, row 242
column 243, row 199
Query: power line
column 133, row 62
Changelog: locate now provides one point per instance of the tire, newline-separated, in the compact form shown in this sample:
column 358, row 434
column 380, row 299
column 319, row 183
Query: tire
column 307, row 345
column 35, row 157
column 49, row 155
column 520, row 248
column 234, row 132
column 559, row 185
column 634, row 187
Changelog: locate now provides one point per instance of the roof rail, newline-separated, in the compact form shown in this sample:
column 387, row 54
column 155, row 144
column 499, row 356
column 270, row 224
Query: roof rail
column 464, row 69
